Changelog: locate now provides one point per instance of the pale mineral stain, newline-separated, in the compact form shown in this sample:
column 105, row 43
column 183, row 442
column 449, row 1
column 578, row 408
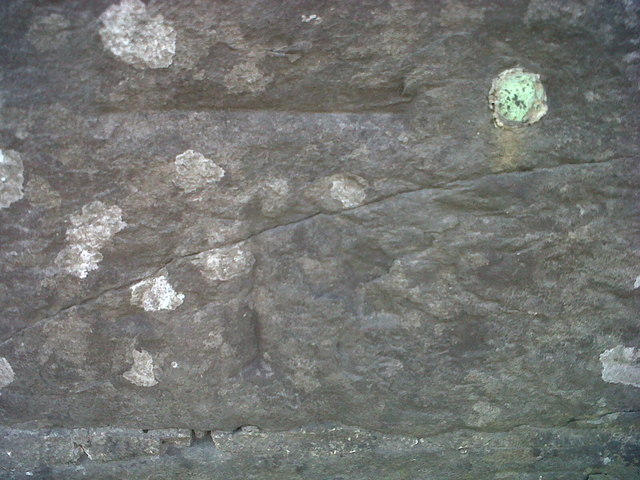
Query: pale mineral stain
column 225, row 263
column 11, row 177
column 194, row 171
column 154, row 294
column 6, row 373
column 621, row 365
column 349, row 192
column 90, row 231
column 141, row 373
column 131, row 33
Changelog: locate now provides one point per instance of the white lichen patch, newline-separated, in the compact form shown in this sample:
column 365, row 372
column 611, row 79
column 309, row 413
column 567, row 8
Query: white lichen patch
column 246, row 77
column 89, row 232
column 11, row 177
column 621, row 365
column 6, row 373
column 225, row 263
column 49, row 32
column 154, row 294
column 194, row 171
column 141, row 373
column 348, row 191
column 313, row 18
column 636, row 284
column 131, row 33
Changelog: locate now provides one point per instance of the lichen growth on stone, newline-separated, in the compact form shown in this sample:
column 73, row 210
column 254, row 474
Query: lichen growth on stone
column 6, row 373
column 348, row 191
column 621, row 365
column 222, row 264
column 517, row 98
column 141, row 372
column 11, row 177
column 154, row 294
column 194, row 171
column 137, row 37
column 90, row 231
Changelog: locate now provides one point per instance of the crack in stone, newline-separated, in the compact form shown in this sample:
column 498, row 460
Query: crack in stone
column 451, row 186
column 394, row 107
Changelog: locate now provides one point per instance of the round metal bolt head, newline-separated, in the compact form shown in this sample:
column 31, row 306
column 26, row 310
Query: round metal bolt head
column 517, row 98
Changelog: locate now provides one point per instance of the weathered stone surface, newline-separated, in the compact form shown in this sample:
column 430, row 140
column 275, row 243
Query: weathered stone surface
column 25, row 450
column 573, row 452
column 296, row 214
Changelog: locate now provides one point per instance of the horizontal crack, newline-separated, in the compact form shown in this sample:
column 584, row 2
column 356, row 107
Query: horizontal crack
column 452, row 185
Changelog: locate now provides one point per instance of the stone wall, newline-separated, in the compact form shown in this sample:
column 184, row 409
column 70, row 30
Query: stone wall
column 322, row 240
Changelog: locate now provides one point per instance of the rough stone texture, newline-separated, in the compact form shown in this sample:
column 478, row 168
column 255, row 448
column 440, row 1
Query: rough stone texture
column 382, row 282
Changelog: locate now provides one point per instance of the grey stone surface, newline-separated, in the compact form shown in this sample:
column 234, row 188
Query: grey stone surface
column 576, row 451
column 300, row 216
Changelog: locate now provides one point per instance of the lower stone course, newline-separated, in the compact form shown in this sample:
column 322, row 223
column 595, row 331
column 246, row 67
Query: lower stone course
column 604, row 448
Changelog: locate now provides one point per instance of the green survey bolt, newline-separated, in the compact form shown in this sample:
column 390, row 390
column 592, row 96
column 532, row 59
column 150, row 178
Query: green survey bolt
column 517, row 98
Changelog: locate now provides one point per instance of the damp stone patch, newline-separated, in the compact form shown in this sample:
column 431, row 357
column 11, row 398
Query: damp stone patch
column 517, row 98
